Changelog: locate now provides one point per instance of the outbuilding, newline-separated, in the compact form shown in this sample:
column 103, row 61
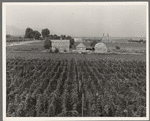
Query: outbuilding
column 100, row 48
column 61, row 45
column 81, row 47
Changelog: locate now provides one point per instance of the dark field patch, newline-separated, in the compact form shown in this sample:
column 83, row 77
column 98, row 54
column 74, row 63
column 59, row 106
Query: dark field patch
column 42, row 55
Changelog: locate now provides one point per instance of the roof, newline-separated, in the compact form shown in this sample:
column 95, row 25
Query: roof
column 53, row 40
column 86, row 44
column 81, row 45
column 100, row 45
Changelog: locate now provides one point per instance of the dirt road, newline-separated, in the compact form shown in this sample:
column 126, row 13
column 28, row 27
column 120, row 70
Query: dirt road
column 21, row 43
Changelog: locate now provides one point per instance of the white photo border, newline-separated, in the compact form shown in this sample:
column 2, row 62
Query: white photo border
column 4, row 4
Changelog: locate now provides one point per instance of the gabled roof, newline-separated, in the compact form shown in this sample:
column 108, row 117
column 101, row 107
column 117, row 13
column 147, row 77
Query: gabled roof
column 81, row 45
column 86, row 44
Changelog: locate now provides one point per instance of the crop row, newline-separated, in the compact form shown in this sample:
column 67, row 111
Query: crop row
column 62, row 88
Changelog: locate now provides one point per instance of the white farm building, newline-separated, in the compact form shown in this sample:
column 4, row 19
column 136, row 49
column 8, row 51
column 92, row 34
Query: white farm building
column 61, row 45
column 81, row 47
column 100, row 48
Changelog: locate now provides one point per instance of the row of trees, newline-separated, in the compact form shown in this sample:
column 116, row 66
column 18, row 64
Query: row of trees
column 30, row 33
column 138, row 41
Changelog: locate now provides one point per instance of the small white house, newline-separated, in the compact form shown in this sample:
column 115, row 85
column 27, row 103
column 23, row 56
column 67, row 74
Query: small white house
column 81, row 47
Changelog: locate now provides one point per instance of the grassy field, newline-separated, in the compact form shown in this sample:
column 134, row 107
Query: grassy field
column 127, row 46
column 34, row 50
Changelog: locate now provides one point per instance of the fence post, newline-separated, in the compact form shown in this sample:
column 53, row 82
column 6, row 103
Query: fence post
column 82, row 104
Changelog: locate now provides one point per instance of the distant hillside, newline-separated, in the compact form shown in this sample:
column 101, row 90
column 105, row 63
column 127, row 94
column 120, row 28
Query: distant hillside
column 14, row 31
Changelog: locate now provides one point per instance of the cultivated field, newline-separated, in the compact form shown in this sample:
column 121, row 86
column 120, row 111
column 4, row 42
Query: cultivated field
column 75, row 88
column 62, row 85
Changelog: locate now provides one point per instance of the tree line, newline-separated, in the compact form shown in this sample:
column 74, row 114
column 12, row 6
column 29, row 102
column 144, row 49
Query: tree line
column 30, row 33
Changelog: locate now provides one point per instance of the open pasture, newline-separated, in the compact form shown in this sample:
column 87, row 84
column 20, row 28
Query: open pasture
column 127, row 46
column 26, row 46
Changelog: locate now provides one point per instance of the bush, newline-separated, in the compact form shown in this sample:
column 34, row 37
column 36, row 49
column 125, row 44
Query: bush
column 56, row 50
column 50, row 50
column 65, row 50
column 141, row 40
column 8, row 36
column 47, row 44
column 117, row 47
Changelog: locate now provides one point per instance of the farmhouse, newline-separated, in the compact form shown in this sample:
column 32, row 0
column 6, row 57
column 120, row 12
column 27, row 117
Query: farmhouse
column 61, row 45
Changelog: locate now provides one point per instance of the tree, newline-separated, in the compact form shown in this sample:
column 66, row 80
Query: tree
column 69, row 37
column 35, row 34
column 50, row 36
column 28, row 33
column 93, row 43
column 47, row 44
column 8, row 35
column 45, row 33
column 71, row 42
column 141, row 40
column 63, row 37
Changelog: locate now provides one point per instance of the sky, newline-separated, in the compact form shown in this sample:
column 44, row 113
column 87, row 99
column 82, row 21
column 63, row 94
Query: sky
column 80, row 20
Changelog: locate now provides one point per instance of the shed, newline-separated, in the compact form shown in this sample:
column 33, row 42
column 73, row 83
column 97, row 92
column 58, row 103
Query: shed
column 81, row 46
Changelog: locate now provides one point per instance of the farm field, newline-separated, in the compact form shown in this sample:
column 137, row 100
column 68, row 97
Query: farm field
column 40, row 84
column 84, row 60
column 64, row 88
column 60, row 56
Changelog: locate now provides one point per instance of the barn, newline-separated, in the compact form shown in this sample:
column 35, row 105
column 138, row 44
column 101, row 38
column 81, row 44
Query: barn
column 100, row 48
column 61, row 45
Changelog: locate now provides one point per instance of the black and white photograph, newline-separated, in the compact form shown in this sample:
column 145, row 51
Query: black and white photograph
column 75, row 60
